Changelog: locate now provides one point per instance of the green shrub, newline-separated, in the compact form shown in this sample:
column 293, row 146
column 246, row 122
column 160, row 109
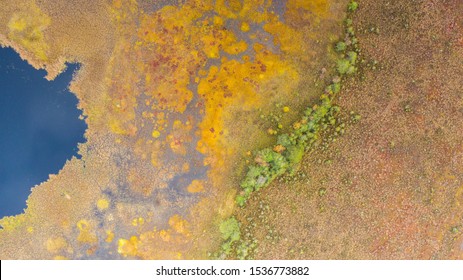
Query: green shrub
column 240, row 200
column 266, row 155
column 279, row 164
column 350, row 31
column 352, row 57
column 284, row 140
column 334, row 88
column 295, row 154
column 340, row 46
column 343, row 66
column 230, row 229
column 352, row 69
column 353, row 6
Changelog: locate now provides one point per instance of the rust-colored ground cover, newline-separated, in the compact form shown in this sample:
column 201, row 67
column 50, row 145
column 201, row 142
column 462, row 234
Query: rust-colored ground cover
column 392, row 186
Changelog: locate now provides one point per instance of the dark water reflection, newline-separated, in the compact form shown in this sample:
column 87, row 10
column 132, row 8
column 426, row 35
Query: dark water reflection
column 39, row 128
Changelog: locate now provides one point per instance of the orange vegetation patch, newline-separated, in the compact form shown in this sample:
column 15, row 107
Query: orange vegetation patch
column 173, row 97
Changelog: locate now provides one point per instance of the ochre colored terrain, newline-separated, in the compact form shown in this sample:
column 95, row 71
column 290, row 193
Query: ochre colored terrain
column 175, row 97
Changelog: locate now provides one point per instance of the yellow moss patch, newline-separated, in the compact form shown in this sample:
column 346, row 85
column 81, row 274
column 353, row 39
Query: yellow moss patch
column 109, row 236
column 12, row 222
column 116, row 127
column 102, row 204
column 234, row 83
column 128, row 247
column 26, row 28
column 86, row 233
column 138, row 221
column 236, row 48
column 289, row 39
column 179, row 225
column 245, row 27
column 156, row 134
column 318, row 7
column 165, row 236
column 195, row 187
column 54, row 245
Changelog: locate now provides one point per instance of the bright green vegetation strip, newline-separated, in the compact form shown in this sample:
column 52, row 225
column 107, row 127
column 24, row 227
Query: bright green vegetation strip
column 230, row 231
column 287, row 153
column 270, row 163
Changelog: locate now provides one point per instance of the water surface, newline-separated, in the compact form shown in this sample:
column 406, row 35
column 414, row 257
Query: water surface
column 39, row 128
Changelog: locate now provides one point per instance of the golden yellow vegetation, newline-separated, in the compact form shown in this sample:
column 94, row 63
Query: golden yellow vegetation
column 162, row 90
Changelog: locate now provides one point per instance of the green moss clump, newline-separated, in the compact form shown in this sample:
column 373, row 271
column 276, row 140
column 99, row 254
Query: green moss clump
column 284, row 140
column 295, row 154
column 230, row 231
column 342, row 66
column 350, row 30
column 347, row 65
column 352, row 57
column 335, row 87
column 340, row 46
column 352, row 69
column 353, row 6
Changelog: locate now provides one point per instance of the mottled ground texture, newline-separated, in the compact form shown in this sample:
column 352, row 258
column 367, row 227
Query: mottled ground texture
column 175, row 95
column 392, row 186
column 176, row 99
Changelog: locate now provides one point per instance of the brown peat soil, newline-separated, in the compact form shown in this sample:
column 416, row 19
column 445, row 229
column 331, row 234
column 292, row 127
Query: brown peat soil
column 391, row 187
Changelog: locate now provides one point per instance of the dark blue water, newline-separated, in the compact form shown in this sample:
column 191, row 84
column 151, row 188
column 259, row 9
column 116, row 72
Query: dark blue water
column 39, row 128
